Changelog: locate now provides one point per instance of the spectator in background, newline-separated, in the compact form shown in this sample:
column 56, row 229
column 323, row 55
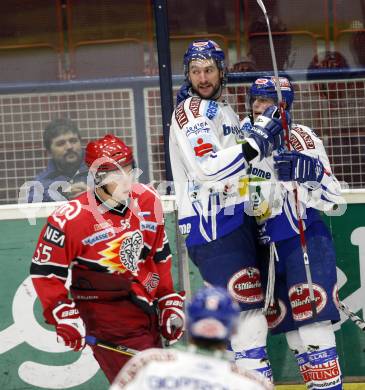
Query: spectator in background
column 328, row 60
column 245, row 64
column 66, row 173
column 260, row 47
column 358, row 47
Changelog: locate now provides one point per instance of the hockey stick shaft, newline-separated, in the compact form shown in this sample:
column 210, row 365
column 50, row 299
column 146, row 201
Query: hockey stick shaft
column 122, row 349
column 352, row 316
column 287, row 140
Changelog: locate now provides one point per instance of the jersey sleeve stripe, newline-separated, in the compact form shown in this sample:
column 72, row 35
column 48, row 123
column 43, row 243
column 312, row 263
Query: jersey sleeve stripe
column 47, row 270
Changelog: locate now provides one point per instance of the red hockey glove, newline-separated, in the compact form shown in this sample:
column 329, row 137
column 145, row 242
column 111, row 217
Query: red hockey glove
column 70, row 327
column 171, row 316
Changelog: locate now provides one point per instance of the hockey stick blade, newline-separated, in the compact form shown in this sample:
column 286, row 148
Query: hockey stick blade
column 122, row 349
column 352, row 316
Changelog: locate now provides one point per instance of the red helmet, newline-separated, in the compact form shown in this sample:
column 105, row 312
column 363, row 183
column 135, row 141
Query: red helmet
column 112, row 148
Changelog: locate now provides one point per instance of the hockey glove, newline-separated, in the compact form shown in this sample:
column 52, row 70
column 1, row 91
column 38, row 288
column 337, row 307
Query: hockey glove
column 70, row 327
column 267, row 132
column 171, row 316
column 294, row 166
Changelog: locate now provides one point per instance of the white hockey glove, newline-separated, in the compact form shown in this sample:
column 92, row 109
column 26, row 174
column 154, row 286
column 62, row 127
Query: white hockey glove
column 70, row 327
column 267, row 133
column 172, row 316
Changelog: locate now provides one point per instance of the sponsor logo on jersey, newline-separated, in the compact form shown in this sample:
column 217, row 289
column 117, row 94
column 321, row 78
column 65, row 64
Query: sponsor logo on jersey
column 254, row 171
column 245, row 286
column 185, row 228
column 202, row 147
column 104, row 225
column 54, row 236
column 99, row 236
column 148, row 225
column 235, row 130
column 180, row 115
column 194, row 106
column 306, row 137
column 197, row 129
column 211, row 110
column 295, row 143
column 300, row 300
column 276, row 313
column 328, row 372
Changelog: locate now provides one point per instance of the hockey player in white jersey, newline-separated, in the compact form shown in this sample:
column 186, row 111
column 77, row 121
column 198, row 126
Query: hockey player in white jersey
column 209, row 160
column 212, row 317
column 310, row 335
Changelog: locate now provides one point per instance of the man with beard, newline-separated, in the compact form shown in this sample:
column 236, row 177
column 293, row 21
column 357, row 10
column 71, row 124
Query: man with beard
column 66, row 173
column 209, row 159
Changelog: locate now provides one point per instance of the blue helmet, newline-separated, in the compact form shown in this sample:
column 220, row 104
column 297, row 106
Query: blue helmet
column 212, row 314
column 203, row 49
column 265, row 87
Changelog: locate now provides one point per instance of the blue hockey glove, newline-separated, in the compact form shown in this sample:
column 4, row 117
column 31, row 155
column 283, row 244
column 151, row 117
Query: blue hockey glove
column 294, row 166
column 183, row 93
column 268, row 132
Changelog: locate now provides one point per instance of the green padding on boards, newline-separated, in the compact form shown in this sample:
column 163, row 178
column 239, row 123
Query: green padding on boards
column 28, row 360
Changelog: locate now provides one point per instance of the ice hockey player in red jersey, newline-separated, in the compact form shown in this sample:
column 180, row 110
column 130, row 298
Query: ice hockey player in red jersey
column 113, row 240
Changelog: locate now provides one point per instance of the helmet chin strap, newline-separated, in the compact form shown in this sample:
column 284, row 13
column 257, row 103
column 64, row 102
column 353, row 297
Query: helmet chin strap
column 117, row 202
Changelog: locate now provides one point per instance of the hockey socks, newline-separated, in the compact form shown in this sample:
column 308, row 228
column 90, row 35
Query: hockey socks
column 325, row 369
column 305, row 369
column 255, row 359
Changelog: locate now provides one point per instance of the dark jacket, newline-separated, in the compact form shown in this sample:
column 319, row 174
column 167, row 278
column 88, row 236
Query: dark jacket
column 56, row 192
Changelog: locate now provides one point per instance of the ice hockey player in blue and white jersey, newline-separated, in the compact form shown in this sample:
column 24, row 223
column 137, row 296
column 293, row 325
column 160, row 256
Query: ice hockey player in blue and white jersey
column 212, row 318
column 310, row 335
column 209, row 160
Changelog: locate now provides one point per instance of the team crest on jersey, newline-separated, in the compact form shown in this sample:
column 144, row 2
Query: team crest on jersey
column 276, row 314
column 245, row 286
column 123, row 253
column 300, row 300
column 66, row 212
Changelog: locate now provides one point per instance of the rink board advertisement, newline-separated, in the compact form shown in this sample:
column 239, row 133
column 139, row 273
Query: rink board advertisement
column 30, row 357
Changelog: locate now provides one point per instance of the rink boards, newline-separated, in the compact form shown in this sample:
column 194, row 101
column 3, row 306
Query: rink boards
column 30, row 358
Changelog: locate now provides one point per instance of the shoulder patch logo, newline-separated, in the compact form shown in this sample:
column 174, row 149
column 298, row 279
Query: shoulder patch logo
column 306, row 137
column 194, row 106
column 180, row 115
column 54, row 236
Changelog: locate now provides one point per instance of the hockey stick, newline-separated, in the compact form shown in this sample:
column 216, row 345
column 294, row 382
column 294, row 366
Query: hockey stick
column 351, row 315
column 124, row 350
column 303, row 242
